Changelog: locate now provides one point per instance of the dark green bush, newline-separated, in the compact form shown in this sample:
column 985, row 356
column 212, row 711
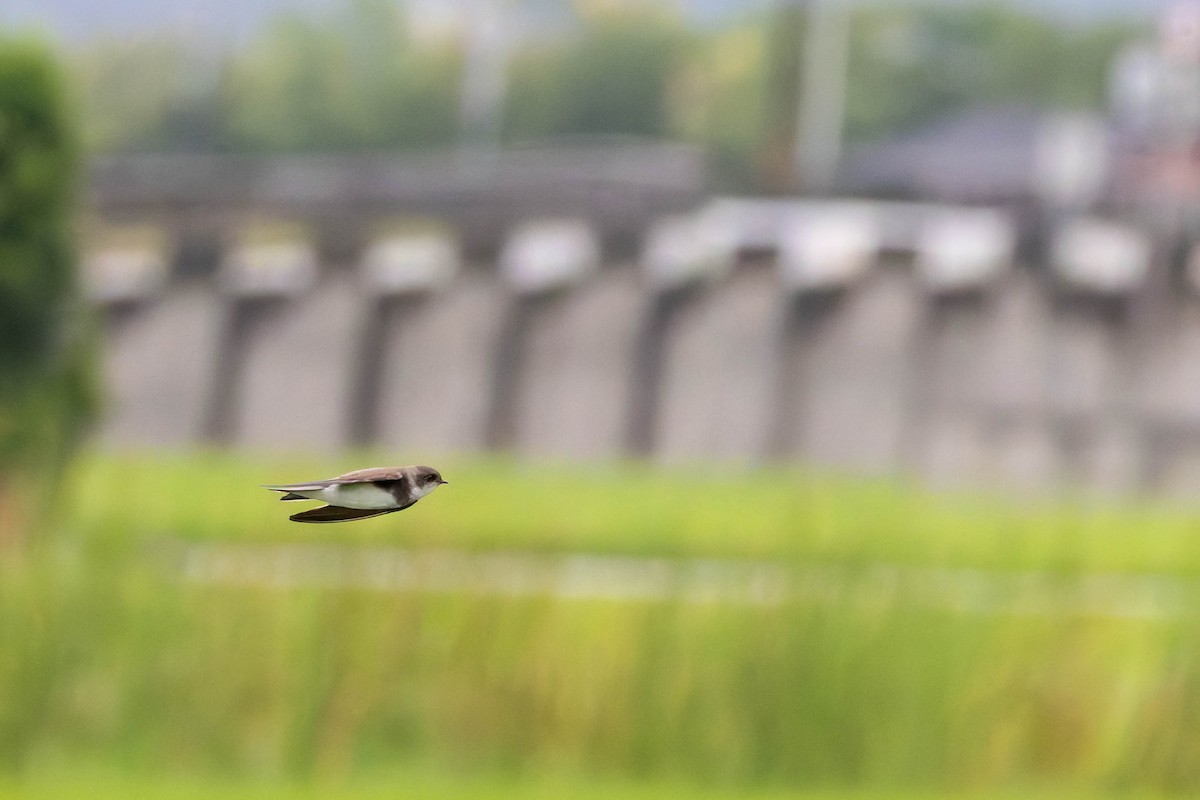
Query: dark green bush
column 45, row 386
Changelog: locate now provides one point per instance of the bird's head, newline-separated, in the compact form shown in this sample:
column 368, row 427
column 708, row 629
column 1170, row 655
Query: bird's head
column 425, row 480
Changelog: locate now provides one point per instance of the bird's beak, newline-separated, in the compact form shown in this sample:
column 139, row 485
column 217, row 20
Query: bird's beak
column 441, row 482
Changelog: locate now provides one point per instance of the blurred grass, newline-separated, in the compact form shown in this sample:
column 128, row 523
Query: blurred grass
column 635, row 509
column 443, row 788
column 108, row 658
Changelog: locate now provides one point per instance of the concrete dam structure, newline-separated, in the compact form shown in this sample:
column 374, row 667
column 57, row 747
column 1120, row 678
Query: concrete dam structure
column 637, row 317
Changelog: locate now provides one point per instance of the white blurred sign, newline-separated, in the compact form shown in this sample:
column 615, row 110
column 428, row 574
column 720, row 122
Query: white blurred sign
column 280, row 269
column 410, row 263
column 1101, row 256
column 739, row 224
column 544, row 255
column 964, row 249
column 682, row 250
column 124, row 274
column 828, row 246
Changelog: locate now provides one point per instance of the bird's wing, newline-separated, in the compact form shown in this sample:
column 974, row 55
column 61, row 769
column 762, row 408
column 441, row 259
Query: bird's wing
column 338, row 514
column 370, row 475
column 358, row 476
column 311, row 486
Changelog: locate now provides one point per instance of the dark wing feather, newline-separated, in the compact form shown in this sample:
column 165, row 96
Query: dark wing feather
column 338, row 514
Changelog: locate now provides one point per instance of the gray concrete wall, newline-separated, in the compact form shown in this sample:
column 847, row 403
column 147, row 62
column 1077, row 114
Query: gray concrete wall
column 1015, row 380
column 294, row 362
column 1090, row 387
column 856, row 368
column 436, row 369
column 1019, row 439
column 1167, row 397
column 947, row 441
column 576, row 368
column 717, row 372
column 159, row 362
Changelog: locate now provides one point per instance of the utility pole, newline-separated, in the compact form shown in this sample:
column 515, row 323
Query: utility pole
column 822, row 107
column 489, row 42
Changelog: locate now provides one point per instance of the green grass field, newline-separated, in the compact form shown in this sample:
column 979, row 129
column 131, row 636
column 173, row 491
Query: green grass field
column 442, row 787
column 186, row 688
column 633, row 509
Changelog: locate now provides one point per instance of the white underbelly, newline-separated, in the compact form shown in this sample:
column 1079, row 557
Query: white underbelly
column 354, row 495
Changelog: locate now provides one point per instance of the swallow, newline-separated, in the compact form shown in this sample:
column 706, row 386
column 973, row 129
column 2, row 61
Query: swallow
column 363, row 493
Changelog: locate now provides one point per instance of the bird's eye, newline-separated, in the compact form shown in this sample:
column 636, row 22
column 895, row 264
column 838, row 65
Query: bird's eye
column 431, row 478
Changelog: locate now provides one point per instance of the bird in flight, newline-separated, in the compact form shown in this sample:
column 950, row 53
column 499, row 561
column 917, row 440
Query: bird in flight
column 363, row 493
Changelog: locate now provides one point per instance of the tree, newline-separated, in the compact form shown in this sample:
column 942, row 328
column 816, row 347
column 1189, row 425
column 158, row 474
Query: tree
column 910, row 66
column 147, row 94
column 45, row 388
column 351, row 82
column 610, row 79
column 719, row 99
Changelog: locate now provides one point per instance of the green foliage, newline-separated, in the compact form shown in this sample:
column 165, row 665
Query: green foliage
column 353, row 81
column 148, row 94
column 908, row 68
column 119, row 652
column 611, row 79
column 44, row 388
column 719, row 100
column 634, row 510
column 355, row 78
column 446, row 784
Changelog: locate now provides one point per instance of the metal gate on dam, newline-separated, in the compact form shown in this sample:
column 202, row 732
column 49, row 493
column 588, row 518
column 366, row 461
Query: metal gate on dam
column 573, row 305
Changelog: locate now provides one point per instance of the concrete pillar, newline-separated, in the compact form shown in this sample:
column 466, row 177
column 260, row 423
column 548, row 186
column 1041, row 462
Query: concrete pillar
column 681, row 257
column 1020, row 449
column 158, row 340
column 578, row 353
column 435, row 383
column 948, row 445
column 287, row 356
column 857, row 370
column 846, row 361
column 400, row 273
column 542, row 262
column 718, row 369
column 1091, row 390
column 296, row 369
column 1168, row 402
column 159, row 364
column 959, row 256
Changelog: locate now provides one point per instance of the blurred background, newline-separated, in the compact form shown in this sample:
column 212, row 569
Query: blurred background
column 818, row 384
